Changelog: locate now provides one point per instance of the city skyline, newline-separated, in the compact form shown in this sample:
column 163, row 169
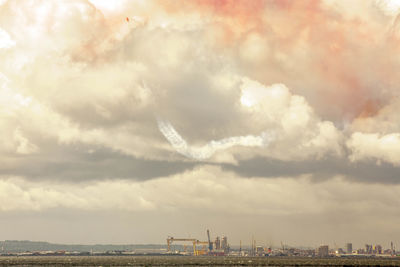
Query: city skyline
column 133, row 120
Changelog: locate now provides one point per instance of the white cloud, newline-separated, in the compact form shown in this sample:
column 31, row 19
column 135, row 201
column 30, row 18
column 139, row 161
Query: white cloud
column 5, row 40
column 365, row 146
column 390, row 7
column 377, row 136
column 279, row 117
column 299, row 132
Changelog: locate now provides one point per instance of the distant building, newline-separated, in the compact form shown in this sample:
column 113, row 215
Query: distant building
column 217, row 243
column 323, row 251
column 361, row 251
column 368, row 249
column 260, row 251
column 392, row 251
column 378, row 249
column 340, row 251
column 224, row 242
column 349, row 248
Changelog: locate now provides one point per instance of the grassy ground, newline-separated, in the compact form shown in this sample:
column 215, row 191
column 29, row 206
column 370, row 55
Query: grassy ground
column 188, row 261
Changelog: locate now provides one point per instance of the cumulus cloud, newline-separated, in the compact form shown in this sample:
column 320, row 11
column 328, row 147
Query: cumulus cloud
column 279, row 116
column 300, row 133
column 133, row 98
column 373, row 146
column 376, row 137
column 98, row 75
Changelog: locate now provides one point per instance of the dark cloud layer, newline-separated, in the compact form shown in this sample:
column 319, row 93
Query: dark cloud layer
column 328, row 168
column 82, row 164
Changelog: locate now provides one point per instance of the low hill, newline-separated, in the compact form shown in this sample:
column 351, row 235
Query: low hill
column 8, row 246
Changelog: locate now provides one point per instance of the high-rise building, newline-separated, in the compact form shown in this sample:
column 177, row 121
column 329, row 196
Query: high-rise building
column 323, row 251
column 392, row 248
column 217, row 243
column 224, row 242
column 349, row 248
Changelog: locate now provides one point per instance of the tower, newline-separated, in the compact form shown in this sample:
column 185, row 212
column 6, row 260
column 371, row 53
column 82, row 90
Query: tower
column 349, row 248
column 217, row 243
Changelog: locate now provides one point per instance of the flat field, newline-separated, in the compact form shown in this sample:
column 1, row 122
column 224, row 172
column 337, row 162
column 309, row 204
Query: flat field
column 189, row 261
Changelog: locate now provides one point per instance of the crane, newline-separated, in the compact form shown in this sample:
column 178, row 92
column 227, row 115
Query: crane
column 194, row 241
column 203, row 251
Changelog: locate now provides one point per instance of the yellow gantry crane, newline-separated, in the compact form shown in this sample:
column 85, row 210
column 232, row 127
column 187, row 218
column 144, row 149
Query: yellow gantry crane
column 194, row 242
column 203, row 251
column 171, row 239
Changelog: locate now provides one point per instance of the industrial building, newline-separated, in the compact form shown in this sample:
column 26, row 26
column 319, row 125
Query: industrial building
column 220, row 247
column 323, row 251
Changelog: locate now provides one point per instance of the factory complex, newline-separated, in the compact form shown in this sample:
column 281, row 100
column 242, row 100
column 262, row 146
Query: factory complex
column 220, row 247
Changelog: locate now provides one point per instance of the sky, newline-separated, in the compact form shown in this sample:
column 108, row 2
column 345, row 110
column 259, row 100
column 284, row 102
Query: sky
column 133, row 120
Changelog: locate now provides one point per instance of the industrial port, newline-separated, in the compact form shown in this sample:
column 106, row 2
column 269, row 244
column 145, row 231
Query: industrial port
column 214, row 246
column 181, row 251
column 220, row 247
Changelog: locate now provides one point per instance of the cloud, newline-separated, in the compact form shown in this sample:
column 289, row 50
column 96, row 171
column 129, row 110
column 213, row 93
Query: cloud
column 376, row 137
column 97, row 75
column 299, row 132
column 279, row 116
column 5, row 40
column 372, row 146
column 365, row 170
column 204, row 188
column 203, row 198
column 390, row 7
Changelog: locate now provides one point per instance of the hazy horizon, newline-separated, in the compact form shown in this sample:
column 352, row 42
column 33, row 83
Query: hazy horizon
column 130, row 121
column 245, row 245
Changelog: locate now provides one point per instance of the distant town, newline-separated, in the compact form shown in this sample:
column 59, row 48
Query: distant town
column 178, row 246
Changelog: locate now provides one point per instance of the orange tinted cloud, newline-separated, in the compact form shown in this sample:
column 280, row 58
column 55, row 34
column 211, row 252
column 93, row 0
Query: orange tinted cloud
column 322, row 47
